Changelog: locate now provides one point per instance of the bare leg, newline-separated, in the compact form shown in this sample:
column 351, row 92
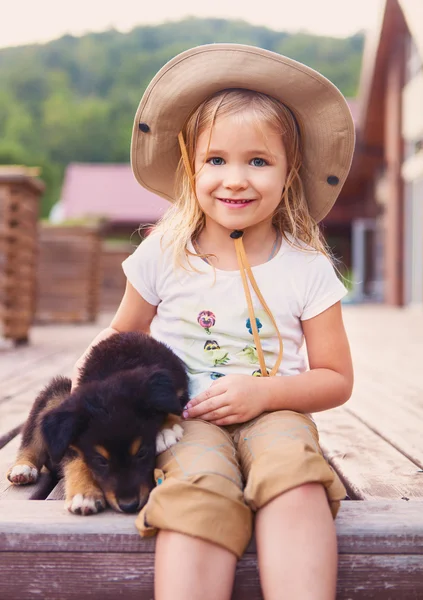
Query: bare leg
column 296, row 544
column 189, row 567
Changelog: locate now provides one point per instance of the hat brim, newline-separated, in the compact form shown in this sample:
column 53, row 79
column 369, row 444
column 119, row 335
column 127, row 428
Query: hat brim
column 323, row 115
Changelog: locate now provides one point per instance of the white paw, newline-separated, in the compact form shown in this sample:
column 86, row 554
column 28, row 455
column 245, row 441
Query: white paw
column 85, row 505
column 168, row 437
column 23, row 474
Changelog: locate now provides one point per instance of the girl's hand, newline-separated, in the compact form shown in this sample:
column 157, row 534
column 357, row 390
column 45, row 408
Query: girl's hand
column 230, row 399
column 76, row 373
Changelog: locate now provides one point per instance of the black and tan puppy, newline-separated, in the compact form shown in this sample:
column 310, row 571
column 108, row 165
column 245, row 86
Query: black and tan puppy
column 103, row 438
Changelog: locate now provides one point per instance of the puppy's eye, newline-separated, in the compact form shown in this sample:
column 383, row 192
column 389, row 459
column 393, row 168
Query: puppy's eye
column 101, row 461
column 142, row 453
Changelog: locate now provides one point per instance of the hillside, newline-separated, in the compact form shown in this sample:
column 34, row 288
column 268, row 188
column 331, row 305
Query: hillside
column 74, row 99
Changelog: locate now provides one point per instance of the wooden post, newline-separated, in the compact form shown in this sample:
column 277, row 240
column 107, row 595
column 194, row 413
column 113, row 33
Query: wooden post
column 394, row 215
column 20, row 193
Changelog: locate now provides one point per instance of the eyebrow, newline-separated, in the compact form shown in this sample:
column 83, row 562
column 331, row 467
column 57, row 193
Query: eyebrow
column 217, row 152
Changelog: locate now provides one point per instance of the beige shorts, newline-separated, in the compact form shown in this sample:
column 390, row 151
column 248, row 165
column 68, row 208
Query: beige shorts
column 210, row 483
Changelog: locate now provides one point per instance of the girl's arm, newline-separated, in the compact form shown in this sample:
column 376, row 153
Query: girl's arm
column 330, row 379
column 133, row 314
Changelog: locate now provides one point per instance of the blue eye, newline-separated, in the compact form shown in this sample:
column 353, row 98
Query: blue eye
column 216, row 161
column 259, row 162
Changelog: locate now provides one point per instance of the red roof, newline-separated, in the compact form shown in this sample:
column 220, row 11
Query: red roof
column 110, row 191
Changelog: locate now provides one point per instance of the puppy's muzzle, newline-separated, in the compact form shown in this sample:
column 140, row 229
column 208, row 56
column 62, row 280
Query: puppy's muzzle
column 129, row 505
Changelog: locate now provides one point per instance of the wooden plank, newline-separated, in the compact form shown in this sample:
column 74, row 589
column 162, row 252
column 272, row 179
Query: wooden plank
column 33, row 380
column 18, row 361
column 14, row 408
column 370, row 467
column 48, row 339
column 6, row 437
column 72, row 576
column 48, row 553
column 14, row 412
column 53, row 352
column 392, row 416
column 58, row 492
column 380, row 577
column 363, row 527
column 387, row 345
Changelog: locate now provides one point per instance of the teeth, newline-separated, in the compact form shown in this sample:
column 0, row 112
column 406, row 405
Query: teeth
column 236, row 201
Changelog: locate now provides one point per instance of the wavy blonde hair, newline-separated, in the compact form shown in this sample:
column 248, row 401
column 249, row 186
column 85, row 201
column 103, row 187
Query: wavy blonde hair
column 185, row 218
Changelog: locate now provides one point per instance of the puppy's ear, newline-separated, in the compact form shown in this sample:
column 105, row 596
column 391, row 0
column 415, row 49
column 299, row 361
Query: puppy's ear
column 60, row 427
column 162, row 393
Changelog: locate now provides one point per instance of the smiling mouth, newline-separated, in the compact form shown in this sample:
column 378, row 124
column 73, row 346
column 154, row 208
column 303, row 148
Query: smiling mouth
column 233, row 201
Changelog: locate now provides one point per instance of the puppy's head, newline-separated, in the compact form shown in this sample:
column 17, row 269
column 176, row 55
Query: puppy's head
column 113, row 425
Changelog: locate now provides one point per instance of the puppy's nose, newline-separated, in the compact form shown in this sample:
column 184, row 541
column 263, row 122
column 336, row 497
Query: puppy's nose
column 129, row 505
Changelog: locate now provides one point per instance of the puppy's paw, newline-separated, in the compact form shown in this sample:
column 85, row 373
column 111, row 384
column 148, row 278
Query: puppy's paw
column 85, row 504
column 23, row 474
column 168, row 437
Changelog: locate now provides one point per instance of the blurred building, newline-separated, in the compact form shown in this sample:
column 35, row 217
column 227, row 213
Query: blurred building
column 387, row 173
column 107, row 192
column 376, row 226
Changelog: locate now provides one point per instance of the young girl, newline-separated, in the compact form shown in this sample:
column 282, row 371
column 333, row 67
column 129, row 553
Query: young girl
column 252, row 148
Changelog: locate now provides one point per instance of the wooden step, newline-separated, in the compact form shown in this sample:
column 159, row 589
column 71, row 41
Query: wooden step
column 48, row 553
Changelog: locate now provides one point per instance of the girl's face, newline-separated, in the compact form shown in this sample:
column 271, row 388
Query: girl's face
column 240, row 179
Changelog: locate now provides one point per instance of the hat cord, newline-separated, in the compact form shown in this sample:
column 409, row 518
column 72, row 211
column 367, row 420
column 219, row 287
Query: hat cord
column 245, row 269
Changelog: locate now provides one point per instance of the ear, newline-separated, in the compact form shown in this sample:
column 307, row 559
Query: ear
column 60, row 427
column 162, row 393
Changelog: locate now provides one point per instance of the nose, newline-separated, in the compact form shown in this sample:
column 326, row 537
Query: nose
column 128, row 505
column 235, row 178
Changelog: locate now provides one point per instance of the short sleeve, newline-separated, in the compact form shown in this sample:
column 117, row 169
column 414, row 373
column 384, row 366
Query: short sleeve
column 322, row 287
column 142, row 267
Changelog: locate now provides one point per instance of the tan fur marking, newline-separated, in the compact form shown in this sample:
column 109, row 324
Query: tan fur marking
column 102, row 450
column 27, row 457
column 79, row 480
column 33, row 454
column 135, row 446
column 111, row 500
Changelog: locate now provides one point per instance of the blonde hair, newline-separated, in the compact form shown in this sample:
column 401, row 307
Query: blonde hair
column 185, row 218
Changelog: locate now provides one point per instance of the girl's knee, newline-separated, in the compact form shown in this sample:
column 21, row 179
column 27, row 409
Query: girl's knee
column 306, row 495
column 301, row 500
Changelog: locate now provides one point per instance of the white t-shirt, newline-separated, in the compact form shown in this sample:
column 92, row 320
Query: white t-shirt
column 204, row 317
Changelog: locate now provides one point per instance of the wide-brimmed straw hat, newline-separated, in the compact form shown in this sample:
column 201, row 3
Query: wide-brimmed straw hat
column 322, row 113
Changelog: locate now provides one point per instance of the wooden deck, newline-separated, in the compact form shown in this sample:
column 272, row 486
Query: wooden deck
column 375, row 442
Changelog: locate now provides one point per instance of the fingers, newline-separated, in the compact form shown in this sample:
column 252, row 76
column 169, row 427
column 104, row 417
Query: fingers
column 208, row 407
column 229, row 420
column 217, row 414
column 204, row 403
column 205, row 396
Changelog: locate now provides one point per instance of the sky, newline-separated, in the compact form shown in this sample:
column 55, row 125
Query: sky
column 29, row 21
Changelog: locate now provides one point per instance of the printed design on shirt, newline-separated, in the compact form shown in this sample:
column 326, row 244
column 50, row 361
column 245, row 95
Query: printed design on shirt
column 215, row 375
column 257, row 373
column 248, row 325
column 207, row 320
column 249, row 355
column 214, row 353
